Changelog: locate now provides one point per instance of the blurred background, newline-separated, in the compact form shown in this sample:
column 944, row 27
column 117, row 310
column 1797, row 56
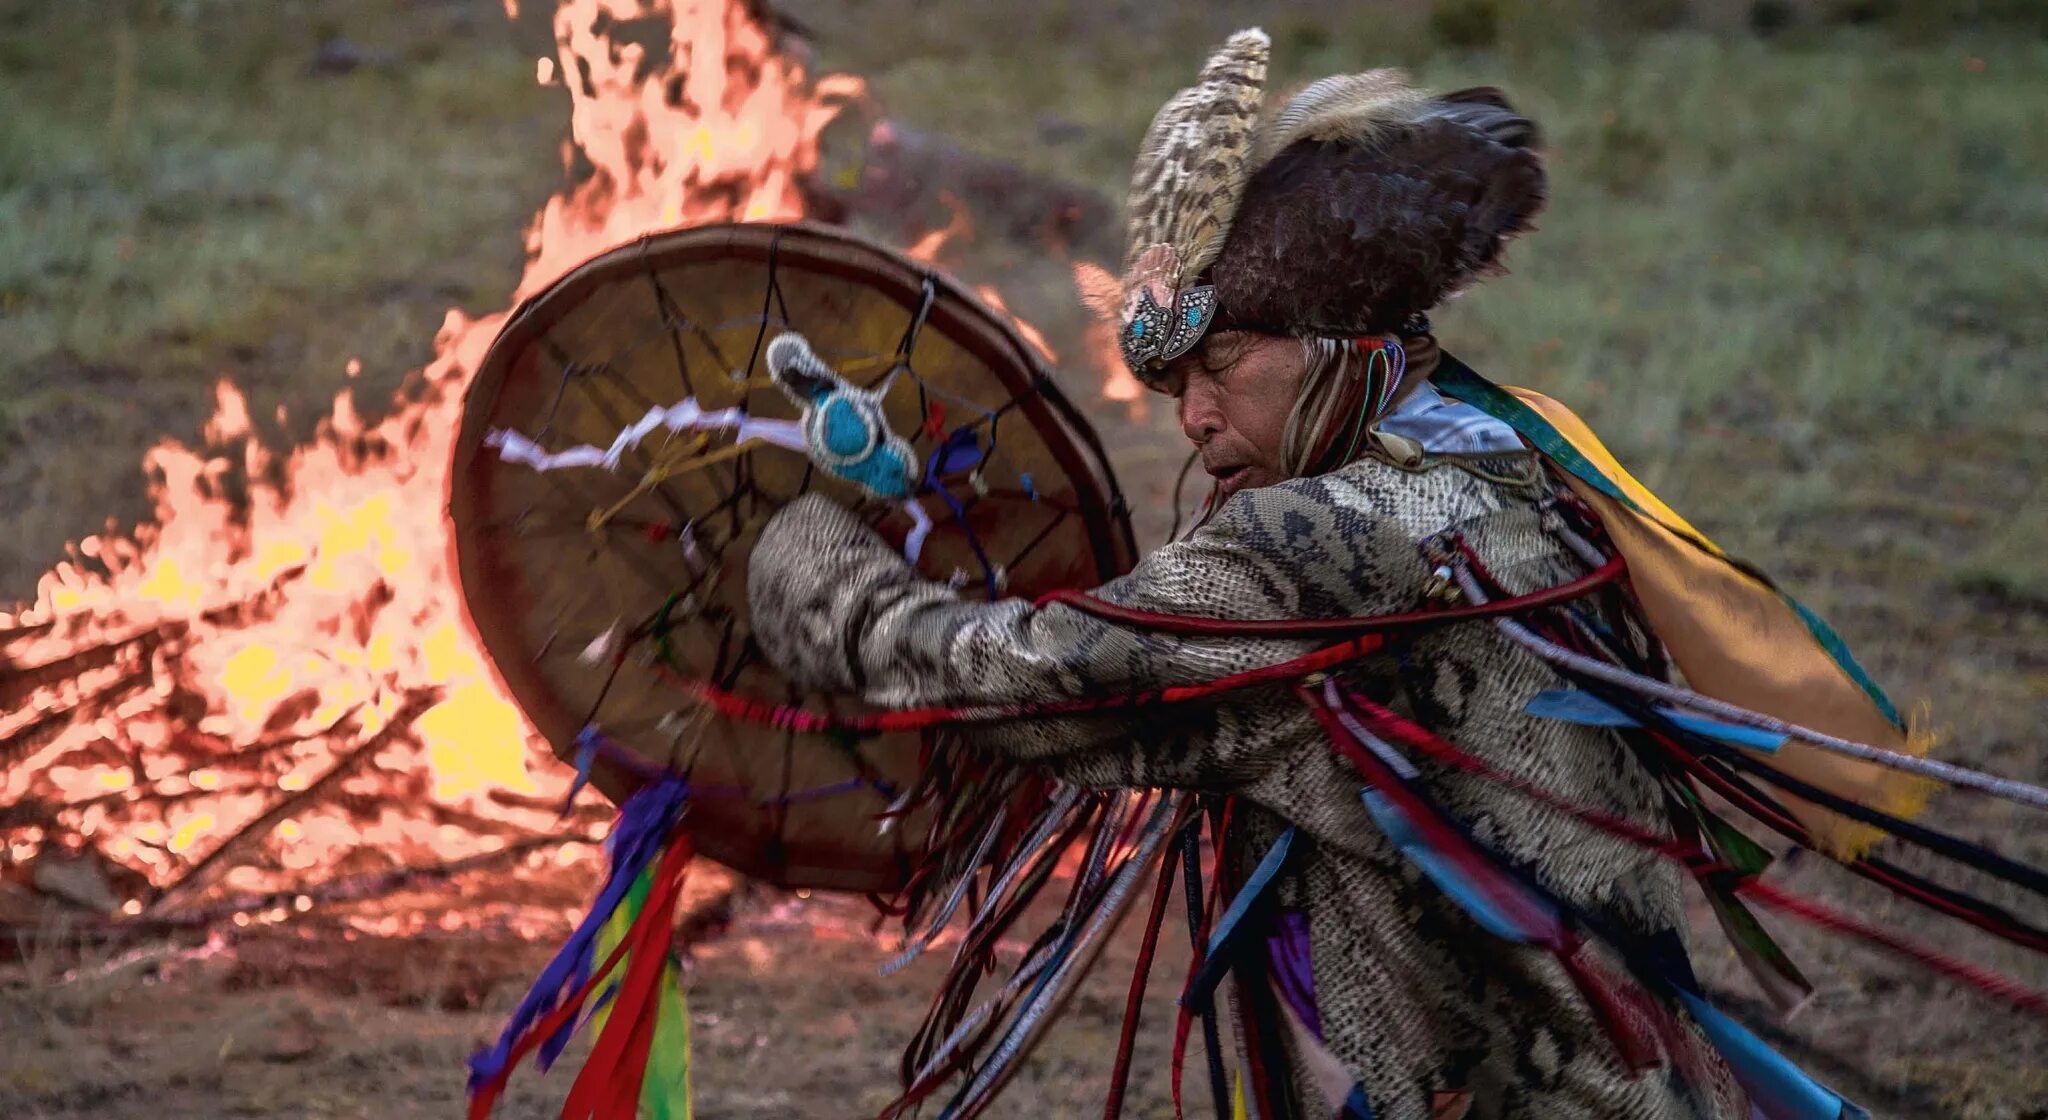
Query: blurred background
column 1794, row 270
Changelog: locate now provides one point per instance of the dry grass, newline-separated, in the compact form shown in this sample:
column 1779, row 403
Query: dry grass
column 183, row 198
column 788, row 1018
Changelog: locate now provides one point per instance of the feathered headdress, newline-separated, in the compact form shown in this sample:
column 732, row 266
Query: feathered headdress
column 1361, row 202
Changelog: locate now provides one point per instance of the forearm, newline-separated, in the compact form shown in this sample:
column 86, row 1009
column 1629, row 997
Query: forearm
column 839, row 610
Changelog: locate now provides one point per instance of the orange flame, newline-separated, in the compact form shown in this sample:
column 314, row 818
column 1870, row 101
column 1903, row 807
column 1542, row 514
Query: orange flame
column 321, row 599
column 958, row 225
column 1117, row 382
column 1030, row 334
column 1103, row 295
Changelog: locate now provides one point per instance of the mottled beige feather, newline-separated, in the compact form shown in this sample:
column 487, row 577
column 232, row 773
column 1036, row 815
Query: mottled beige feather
column 1358, row 107
column 1193, row 165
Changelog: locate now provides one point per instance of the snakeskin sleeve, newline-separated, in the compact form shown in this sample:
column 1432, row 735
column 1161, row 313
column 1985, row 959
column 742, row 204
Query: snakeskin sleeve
column 838, row 609
column 1414, row 999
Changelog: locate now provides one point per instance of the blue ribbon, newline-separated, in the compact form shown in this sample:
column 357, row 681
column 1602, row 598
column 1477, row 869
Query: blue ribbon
column 960, row 451
column 587, row 742
column 1444, row 871
column 638, row 836
column 1777, row 1089
column 1223, row 941
column 1572, row 705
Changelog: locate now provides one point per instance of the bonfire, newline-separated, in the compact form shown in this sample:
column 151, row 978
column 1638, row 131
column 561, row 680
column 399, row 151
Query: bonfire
column 267, row 699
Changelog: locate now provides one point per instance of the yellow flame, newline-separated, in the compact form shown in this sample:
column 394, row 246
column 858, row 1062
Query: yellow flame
column 190, row 832
column 366, row 531
column 253, row 678
column 475, row 742
column 276, row 557
column 168, row 586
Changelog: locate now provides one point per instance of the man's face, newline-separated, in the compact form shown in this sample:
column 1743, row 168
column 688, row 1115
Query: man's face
column 1233, row 394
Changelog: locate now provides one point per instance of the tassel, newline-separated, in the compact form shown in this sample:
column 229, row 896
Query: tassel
column 618, row 957
column 1762, row 957
column 1198, row 936
column 610, row 1084
column 1777, row 1089
column 1499, row 901
column 1224, row 950
column 1766, row 961
column 1134, row 1000
column 665, row 1094
column 1697, row 828
column 665, row 1091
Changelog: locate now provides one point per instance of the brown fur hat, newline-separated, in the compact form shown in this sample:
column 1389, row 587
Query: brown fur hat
column 1351, row 236
column 1361, row 202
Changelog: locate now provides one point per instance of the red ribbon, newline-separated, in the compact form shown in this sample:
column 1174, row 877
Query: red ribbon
column 608, row 1088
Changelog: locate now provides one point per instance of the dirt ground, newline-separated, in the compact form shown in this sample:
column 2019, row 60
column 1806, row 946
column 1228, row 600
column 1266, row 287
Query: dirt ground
column 789, row 1018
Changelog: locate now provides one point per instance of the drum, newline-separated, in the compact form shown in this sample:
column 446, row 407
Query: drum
column 602, row 545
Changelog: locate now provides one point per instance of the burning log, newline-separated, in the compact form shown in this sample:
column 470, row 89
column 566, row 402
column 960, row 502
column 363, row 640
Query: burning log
column 370, row 885
column 16, row 630
column 52, row 721
column 367, row 887
column 204, row 872
column 42, row 812
column 22, row 682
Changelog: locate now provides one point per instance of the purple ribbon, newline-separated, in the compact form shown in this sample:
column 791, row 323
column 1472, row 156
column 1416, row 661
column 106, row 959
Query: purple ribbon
column 638, row 836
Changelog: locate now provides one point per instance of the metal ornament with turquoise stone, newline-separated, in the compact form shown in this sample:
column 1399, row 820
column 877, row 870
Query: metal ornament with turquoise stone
column 1156, row 335
column 845, row 430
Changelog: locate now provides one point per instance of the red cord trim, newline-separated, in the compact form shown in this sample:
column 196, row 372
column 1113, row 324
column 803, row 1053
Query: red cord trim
column 1329, row 627
column 789, row 718
column 1134, row 1002
column 1368, row 636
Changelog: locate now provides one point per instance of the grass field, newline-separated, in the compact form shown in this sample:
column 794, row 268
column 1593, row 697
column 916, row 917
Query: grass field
column 1798, row 280
column 185, row 195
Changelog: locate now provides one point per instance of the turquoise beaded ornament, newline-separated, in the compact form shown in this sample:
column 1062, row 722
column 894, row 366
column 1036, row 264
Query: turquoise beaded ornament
column 845, row 431
column 1156, row 335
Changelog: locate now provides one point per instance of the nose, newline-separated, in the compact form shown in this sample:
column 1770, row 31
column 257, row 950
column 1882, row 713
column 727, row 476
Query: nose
column 1200, row 414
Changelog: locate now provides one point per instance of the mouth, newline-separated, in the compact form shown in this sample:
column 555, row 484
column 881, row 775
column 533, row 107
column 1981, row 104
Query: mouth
column 1229, row 477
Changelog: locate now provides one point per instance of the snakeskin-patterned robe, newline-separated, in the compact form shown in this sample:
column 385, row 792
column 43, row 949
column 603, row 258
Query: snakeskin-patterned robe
column 1419, row 1006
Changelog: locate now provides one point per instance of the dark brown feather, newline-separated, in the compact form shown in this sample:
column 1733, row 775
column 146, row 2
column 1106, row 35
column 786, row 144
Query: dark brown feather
column 1341, row 238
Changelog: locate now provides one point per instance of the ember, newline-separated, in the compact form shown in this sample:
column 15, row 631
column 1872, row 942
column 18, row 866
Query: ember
column 268, row 698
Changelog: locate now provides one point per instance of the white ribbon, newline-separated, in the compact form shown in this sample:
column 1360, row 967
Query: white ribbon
column 684, row 415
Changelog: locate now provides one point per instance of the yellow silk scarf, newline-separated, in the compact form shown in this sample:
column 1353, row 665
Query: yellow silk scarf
column 1737, row 639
